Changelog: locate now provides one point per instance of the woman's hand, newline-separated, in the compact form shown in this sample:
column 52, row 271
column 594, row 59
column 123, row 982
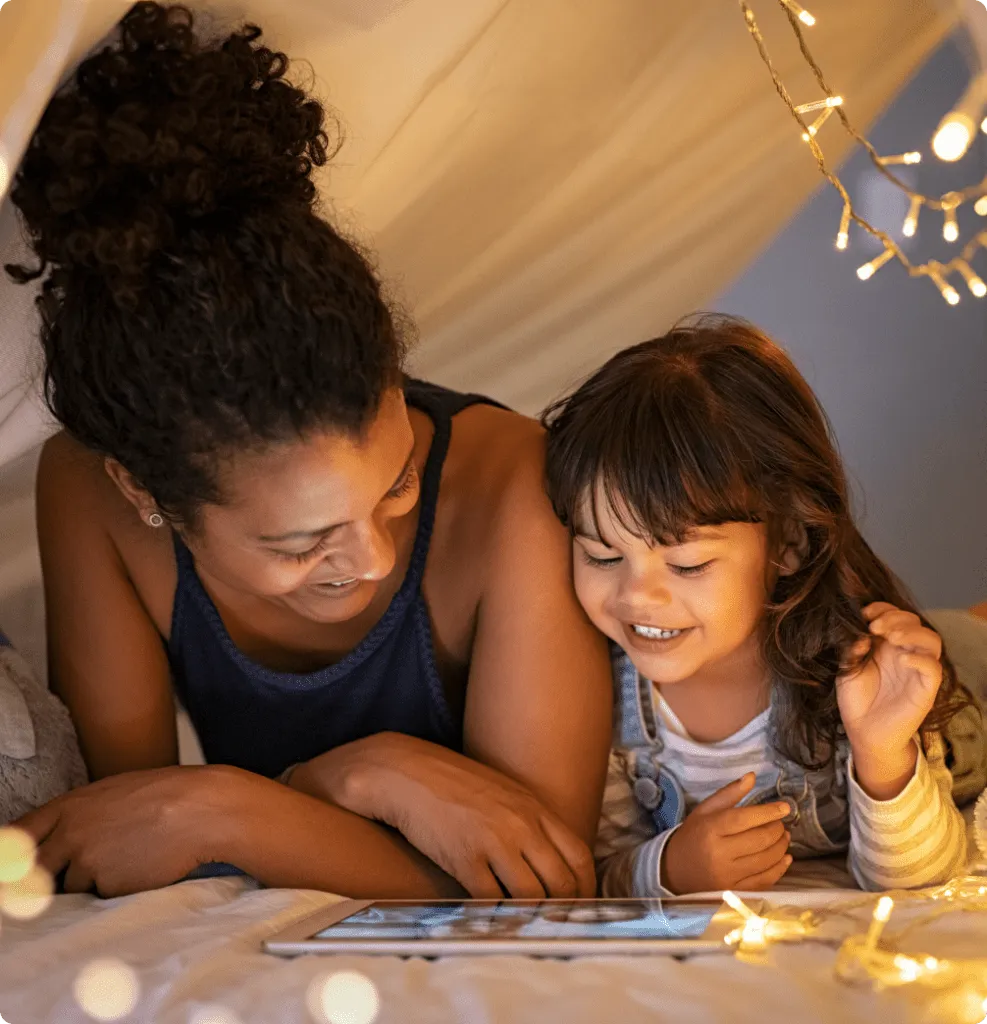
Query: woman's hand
column 884, row 702
column 129, row 832
column 479, row 826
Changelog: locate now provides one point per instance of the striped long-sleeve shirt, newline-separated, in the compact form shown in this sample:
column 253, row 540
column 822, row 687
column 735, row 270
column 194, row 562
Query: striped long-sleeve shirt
column 918, row 838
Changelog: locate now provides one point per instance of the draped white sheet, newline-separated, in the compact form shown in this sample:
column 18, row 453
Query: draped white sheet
column 545, row 181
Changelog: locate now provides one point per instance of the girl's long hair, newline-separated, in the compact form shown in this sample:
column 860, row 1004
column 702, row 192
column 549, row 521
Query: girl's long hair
column 712, row 423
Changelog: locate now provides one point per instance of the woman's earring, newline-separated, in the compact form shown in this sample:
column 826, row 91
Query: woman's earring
column 155, row 519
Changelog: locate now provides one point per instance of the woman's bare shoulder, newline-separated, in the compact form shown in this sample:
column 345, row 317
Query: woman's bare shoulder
column 80, row 507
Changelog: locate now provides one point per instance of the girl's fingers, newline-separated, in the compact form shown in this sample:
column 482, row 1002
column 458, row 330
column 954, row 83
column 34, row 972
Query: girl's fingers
column 905, row 629
column 929, row 668
column 765, row 879
column 754, row 840
column 878, row 608
column 755, row 863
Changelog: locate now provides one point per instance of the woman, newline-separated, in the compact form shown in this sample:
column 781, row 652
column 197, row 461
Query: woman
column 348, row 576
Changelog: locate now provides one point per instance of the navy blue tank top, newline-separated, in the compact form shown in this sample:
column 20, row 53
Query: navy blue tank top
column 262, row 720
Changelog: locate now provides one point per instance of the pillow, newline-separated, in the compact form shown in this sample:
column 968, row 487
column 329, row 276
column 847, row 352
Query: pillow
column 39, row 751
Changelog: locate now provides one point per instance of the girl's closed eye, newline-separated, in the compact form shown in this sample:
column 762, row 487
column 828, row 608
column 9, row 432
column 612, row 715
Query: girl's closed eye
column 692, row 570
column 600, row 563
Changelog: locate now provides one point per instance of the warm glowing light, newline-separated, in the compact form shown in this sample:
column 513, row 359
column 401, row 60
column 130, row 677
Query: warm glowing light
column 902, row 158
column 953, row 138
column 868, row 270
column 734, row 902
column 813, row 129
column 843, row 236
column 213, row 1014
column 17, row 852
column 950, row 229
column 29, row 897
column 4, row 175
column 908, row 969
column 106, row 989
column 881, row 914
column 910, row 226
column 952, row 296
column 973, row 282
column 828, row 102
column 800, row 12
column 346, row 997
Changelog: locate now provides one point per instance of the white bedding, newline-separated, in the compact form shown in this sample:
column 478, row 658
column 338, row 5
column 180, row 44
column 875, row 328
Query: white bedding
column 196, row 946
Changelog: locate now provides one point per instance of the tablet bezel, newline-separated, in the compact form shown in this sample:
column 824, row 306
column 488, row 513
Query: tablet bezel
column 298, row 938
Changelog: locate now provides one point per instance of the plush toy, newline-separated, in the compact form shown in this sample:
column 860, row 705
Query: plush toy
column 39, row 752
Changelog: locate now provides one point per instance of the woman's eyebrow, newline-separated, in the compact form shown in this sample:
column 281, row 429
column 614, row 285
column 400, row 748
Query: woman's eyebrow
column 324, row 531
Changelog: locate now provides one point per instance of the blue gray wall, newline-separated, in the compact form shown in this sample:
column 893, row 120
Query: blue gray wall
column 902, row 375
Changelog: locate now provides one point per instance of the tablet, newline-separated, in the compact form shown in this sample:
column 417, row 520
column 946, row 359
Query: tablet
column 553, row 928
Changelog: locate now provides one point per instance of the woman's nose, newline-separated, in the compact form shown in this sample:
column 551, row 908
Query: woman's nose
column 370, row 555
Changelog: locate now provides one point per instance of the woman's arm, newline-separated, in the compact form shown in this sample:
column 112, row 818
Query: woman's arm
column 539, row 701
column 105, row 657
column 107, row 662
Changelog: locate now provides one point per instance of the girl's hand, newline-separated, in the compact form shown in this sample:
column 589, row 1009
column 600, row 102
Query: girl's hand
column 722, row 846
column 129, row 832
column 884, row 703
column 479, row 826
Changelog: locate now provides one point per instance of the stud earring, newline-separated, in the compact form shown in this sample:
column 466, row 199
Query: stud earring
column 155, row 519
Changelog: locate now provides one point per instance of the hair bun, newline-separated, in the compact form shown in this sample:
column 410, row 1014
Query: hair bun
column 160, row 133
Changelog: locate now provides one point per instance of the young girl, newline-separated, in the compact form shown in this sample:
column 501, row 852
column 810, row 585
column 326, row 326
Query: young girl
column 778, row 695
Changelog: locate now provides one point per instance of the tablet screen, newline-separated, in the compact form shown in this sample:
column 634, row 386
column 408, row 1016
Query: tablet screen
column 522, row 919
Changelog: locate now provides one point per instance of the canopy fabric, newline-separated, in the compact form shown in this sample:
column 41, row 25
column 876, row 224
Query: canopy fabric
column 545, row 181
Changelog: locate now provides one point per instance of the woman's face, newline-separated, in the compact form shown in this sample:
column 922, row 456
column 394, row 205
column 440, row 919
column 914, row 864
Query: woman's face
column 311, row 525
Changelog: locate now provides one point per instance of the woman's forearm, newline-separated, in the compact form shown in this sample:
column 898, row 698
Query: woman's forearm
column 287, row 839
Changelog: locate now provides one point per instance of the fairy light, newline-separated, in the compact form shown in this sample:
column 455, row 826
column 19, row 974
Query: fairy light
column 952, row 139
column 949, row 293
column 979, row 289
column 880, row 917
column 346, row 997
column 901, row 158
column 800, row 12
column 910, row 226
column 17, row 853
column 106, row 990
column 825, row 104
column 29, row 897
column 813, row 130
column 868, row 270
column 843, row 236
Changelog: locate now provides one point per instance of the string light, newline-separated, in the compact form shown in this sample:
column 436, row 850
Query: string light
column 868, row 270
column 975, row 284
column 813, row 130
column 949, row 293
column 910, row 226
column 951, row 141
column 800, row 12
column 902, row 158
column 843, row 236
column 106, row 989
column 758, row 932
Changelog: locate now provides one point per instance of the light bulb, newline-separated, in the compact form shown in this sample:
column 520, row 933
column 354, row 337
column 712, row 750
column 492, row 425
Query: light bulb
column 910, row 226
column 901, row 158
column 952, row 296
column 950, row 229
column 843, row 236
column 800, row 12
column 953, row 137
column 809, row 108
column 973, row 282
column 980, row 206
column 868, row 270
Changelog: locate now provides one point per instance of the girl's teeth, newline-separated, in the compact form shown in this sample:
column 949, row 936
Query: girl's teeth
column 656, row 634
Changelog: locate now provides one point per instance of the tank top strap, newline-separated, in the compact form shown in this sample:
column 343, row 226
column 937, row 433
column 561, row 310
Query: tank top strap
column 441, row 405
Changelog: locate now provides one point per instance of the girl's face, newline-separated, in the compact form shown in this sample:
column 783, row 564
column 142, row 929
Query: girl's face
column 680, row 609
column 311, row 525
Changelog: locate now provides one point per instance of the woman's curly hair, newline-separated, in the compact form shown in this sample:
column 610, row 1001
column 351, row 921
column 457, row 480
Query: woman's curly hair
column 711, row 424
column 197, row 303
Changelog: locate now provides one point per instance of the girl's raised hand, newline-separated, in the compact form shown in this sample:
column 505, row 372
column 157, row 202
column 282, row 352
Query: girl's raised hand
column 884, row 702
